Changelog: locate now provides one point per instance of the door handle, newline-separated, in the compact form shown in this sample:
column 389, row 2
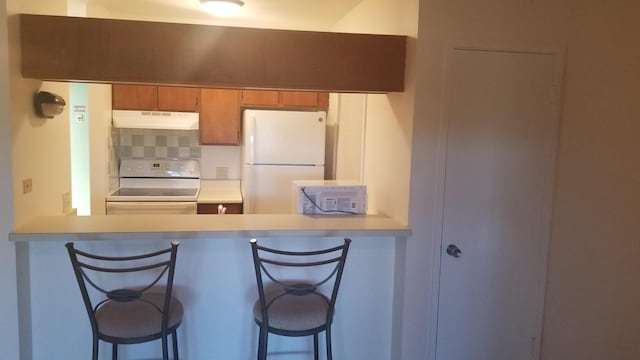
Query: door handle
column 453, row 250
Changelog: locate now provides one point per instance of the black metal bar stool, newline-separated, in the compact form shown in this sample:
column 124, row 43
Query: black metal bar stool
column 131, row 314
column 296, row 307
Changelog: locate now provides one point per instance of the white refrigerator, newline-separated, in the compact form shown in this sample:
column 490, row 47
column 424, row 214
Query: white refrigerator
column 279, row 146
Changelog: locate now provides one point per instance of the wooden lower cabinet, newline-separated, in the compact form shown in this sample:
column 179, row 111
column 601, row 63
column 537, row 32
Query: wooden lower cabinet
column 219, row 117
column 214, row 208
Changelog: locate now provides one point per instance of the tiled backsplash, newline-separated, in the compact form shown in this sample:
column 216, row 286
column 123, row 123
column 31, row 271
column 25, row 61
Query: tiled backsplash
column 216, row 162
column 160, row 144
column 220, row 162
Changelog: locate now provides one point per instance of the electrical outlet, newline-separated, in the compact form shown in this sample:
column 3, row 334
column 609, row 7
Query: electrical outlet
column 222, row 172
column 27, row 186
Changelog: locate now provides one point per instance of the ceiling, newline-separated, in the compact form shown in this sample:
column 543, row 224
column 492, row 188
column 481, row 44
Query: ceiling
column 318, row 15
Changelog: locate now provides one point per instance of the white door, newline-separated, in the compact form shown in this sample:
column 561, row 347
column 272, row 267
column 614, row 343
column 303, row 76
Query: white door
column 500, row 155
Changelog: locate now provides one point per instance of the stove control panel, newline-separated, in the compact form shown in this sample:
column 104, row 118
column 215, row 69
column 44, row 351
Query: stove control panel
column 159, row 168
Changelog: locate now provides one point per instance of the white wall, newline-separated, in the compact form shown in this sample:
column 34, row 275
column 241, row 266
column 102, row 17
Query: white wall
column 8, row 300
column 592, row 297
column 591, row 303
column 351, row 113
column 40, row 150
column 215, row 161
column 79, row 123
column 388, row 119
column 258, row 14
column 102, row 163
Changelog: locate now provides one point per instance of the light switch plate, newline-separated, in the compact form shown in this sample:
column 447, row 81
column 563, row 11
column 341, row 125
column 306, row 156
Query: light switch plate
column 27, row 186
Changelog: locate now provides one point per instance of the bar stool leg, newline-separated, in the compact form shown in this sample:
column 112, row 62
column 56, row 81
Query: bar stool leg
column 94, row 355
column 114, row 351
column 174, row 338
column 315, row 346
column 328, row 333
column 262, row 344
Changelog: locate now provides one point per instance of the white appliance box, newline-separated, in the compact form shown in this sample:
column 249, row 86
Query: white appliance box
column 329, row 197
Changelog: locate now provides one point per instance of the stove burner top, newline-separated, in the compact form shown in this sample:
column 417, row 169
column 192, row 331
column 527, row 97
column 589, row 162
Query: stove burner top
column 157, row 180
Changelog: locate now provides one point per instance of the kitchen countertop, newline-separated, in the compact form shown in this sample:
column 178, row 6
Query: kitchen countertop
column 220, row 191
column 177, row 227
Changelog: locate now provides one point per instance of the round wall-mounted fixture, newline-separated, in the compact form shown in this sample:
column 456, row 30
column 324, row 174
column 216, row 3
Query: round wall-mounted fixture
column 223, row 8
column 47, row 105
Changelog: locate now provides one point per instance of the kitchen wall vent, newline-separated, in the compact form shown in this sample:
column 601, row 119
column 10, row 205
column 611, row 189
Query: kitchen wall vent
column 155, row 120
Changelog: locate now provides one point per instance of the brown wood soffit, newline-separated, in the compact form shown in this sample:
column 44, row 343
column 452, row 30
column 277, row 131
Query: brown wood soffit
column 120, row 51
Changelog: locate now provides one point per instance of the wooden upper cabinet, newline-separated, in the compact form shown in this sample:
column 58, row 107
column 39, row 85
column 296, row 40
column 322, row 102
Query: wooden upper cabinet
column 260, row 97
column 219, row 117
column 162, row 98
column 134, row 97
column 299, row 98
column 286, row 99
column 323, row 101
column 172, row 98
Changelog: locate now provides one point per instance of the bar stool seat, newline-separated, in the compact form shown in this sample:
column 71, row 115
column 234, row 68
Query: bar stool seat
column 293, row 313
column 133, row 322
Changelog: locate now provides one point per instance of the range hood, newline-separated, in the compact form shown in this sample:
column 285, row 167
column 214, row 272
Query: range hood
column 133, row 119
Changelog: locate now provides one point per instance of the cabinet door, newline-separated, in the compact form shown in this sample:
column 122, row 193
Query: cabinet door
column 323, row 101
column 134, row 97
column 233, row 208
column 172, row 98
column 213, row 208
column 299, row 98
column 260, row 97
column 219, row 117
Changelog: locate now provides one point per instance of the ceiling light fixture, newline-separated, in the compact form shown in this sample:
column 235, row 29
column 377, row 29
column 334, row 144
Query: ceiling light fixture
column 224, row 8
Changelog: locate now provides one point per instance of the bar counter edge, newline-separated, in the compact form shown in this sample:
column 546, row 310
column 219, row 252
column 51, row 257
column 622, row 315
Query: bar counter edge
column 182, row 227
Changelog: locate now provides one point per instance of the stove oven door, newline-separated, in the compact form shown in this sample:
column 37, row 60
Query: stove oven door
column 151, row 208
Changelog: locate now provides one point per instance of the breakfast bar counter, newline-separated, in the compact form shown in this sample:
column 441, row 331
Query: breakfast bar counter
column 215, row 281
column 177, row 227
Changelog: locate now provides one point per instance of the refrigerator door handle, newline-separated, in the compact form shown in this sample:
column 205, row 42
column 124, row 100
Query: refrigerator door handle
column 252, row 139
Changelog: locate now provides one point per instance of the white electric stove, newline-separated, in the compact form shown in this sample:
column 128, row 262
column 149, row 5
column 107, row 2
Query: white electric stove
column 156, row 186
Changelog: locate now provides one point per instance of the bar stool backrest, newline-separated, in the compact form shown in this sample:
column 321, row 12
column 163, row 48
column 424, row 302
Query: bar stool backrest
column 318, row 272
column 125, row 279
